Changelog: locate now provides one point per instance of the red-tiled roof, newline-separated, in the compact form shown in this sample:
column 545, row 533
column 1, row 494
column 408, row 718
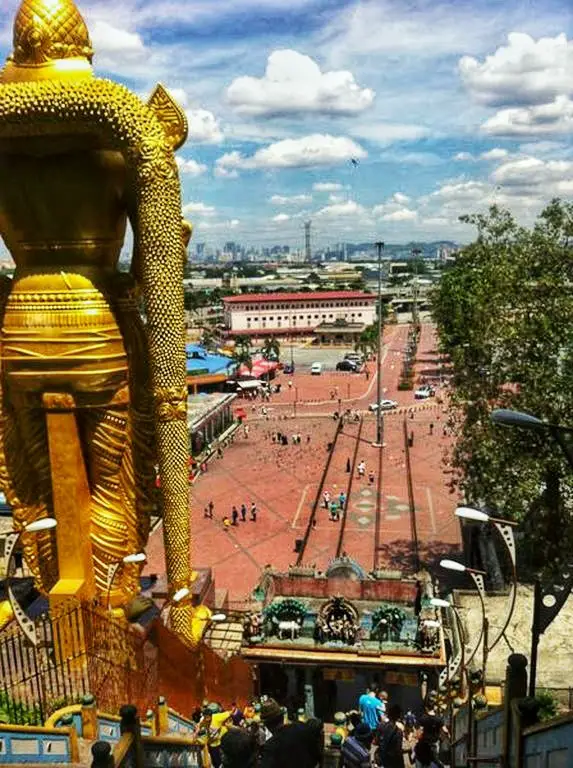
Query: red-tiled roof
column 317, row 296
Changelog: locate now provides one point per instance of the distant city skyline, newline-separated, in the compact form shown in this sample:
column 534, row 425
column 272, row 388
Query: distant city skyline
column 374, row 119
column 340, row 251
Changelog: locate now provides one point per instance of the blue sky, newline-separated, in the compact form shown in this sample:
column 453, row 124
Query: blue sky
column 447, row 106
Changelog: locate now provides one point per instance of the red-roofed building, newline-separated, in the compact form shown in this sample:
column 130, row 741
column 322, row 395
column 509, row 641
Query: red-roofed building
column 331, row 315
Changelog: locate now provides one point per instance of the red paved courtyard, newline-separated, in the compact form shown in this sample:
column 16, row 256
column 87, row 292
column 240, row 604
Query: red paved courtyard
column 283, row 480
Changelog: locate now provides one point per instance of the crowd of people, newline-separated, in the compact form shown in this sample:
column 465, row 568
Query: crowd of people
column 375, row 735
column 259, row 736
column 379, row 734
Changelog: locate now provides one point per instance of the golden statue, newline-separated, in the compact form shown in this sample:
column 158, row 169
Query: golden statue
column 92, row 396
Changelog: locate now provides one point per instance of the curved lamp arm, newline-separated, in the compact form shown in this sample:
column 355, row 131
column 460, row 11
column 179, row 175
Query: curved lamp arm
column 112, row 570
column 505, row 530
column 26, row 625
column 457, row 662
column 480, row 586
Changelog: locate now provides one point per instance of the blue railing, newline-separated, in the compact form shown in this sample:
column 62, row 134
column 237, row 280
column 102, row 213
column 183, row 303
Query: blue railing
column 28, row 744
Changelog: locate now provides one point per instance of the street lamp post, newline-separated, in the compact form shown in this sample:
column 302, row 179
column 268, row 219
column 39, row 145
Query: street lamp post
column 548, row 599
column 505, row 530
column 379, row 416
column 459, row 662
column 509, row 418
column 12, row 537
column 416, row 318
column 477, row 577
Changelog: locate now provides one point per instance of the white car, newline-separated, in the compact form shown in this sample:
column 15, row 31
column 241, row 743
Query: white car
column 423, row 393
column 385, row 405
column 316, row 369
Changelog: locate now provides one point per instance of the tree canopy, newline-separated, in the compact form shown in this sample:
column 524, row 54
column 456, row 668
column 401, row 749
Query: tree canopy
column 504, row 313
column 242, row 352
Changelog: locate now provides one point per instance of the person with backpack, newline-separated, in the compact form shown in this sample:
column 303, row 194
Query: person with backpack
column 389, row 738
column 355, row 751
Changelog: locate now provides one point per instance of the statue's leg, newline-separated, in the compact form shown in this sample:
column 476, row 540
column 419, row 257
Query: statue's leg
column 113, row 514
column 119, row 442
column 25, row 478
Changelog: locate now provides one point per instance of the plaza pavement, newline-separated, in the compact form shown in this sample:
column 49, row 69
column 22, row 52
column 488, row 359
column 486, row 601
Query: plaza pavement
column 283, row 480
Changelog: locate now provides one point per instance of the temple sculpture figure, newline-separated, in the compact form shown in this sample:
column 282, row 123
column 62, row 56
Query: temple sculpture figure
column 92, row 396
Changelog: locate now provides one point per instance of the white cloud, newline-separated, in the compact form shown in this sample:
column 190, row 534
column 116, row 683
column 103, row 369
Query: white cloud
column 200, row 209
column 221, row 171
column 335, row 199
column 386, row 133
column 348, row 208
column 543, row 148
column 529, row 81
column 218, row 226
column 326, row 186
column 281, row 217
column 179, row 95
column 461, row 193
column 497, row 153
column 109, row 40
column 190, row 167
column 203, row 127
column 294, row 84
column 421, row 30
column 524, row 185
column 427, row 159
column 290, row 199
column 464, row 157
column 393, row 207
column 534, row 177
column 541, row 120
column 404, row 214
column 436, row 221
column 305, row 152
column 524, row 72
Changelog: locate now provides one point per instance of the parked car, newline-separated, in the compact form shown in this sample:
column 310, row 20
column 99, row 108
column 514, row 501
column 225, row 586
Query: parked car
column 347, row 365
column 316, row 369
column 385, row 405
column 423, row 393
column 355, row 356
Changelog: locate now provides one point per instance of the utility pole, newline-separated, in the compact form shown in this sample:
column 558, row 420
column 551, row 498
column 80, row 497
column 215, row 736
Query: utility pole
column 379, row 422
column 415, row 317
column 307, row 249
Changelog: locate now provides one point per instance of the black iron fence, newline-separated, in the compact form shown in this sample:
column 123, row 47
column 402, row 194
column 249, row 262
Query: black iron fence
column 81, row 649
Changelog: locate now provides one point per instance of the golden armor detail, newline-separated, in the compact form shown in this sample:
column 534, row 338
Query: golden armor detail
column 78, row 157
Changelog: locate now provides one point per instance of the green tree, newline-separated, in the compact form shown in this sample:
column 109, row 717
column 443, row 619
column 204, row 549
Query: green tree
column 367, row 342
column 271, row 349
column 208, row 338
column 242, row 353
column 504, row 313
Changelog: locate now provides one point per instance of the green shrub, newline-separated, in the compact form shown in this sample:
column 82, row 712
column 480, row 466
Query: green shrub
column 548, row 708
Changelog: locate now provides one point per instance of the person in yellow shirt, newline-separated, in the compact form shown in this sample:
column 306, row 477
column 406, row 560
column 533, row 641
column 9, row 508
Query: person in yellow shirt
column 212, row 727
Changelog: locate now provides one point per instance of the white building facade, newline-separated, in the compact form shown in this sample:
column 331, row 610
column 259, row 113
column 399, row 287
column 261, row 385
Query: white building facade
column 297, row 313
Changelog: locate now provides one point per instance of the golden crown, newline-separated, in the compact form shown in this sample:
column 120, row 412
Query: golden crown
column 51, row 40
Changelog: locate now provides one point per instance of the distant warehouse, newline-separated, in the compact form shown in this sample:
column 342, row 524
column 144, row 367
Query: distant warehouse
column 329, row 315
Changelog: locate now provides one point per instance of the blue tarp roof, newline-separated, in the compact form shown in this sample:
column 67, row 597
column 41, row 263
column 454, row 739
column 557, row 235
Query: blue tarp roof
column 198, row 359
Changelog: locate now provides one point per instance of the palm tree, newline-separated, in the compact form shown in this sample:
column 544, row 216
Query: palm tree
column 271, row 349
column 242, row 352
column 208, row 338
column 368, row 340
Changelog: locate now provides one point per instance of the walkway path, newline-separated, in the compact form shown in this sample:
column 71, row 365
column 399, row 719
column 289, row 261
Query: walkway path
column 283, row 481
